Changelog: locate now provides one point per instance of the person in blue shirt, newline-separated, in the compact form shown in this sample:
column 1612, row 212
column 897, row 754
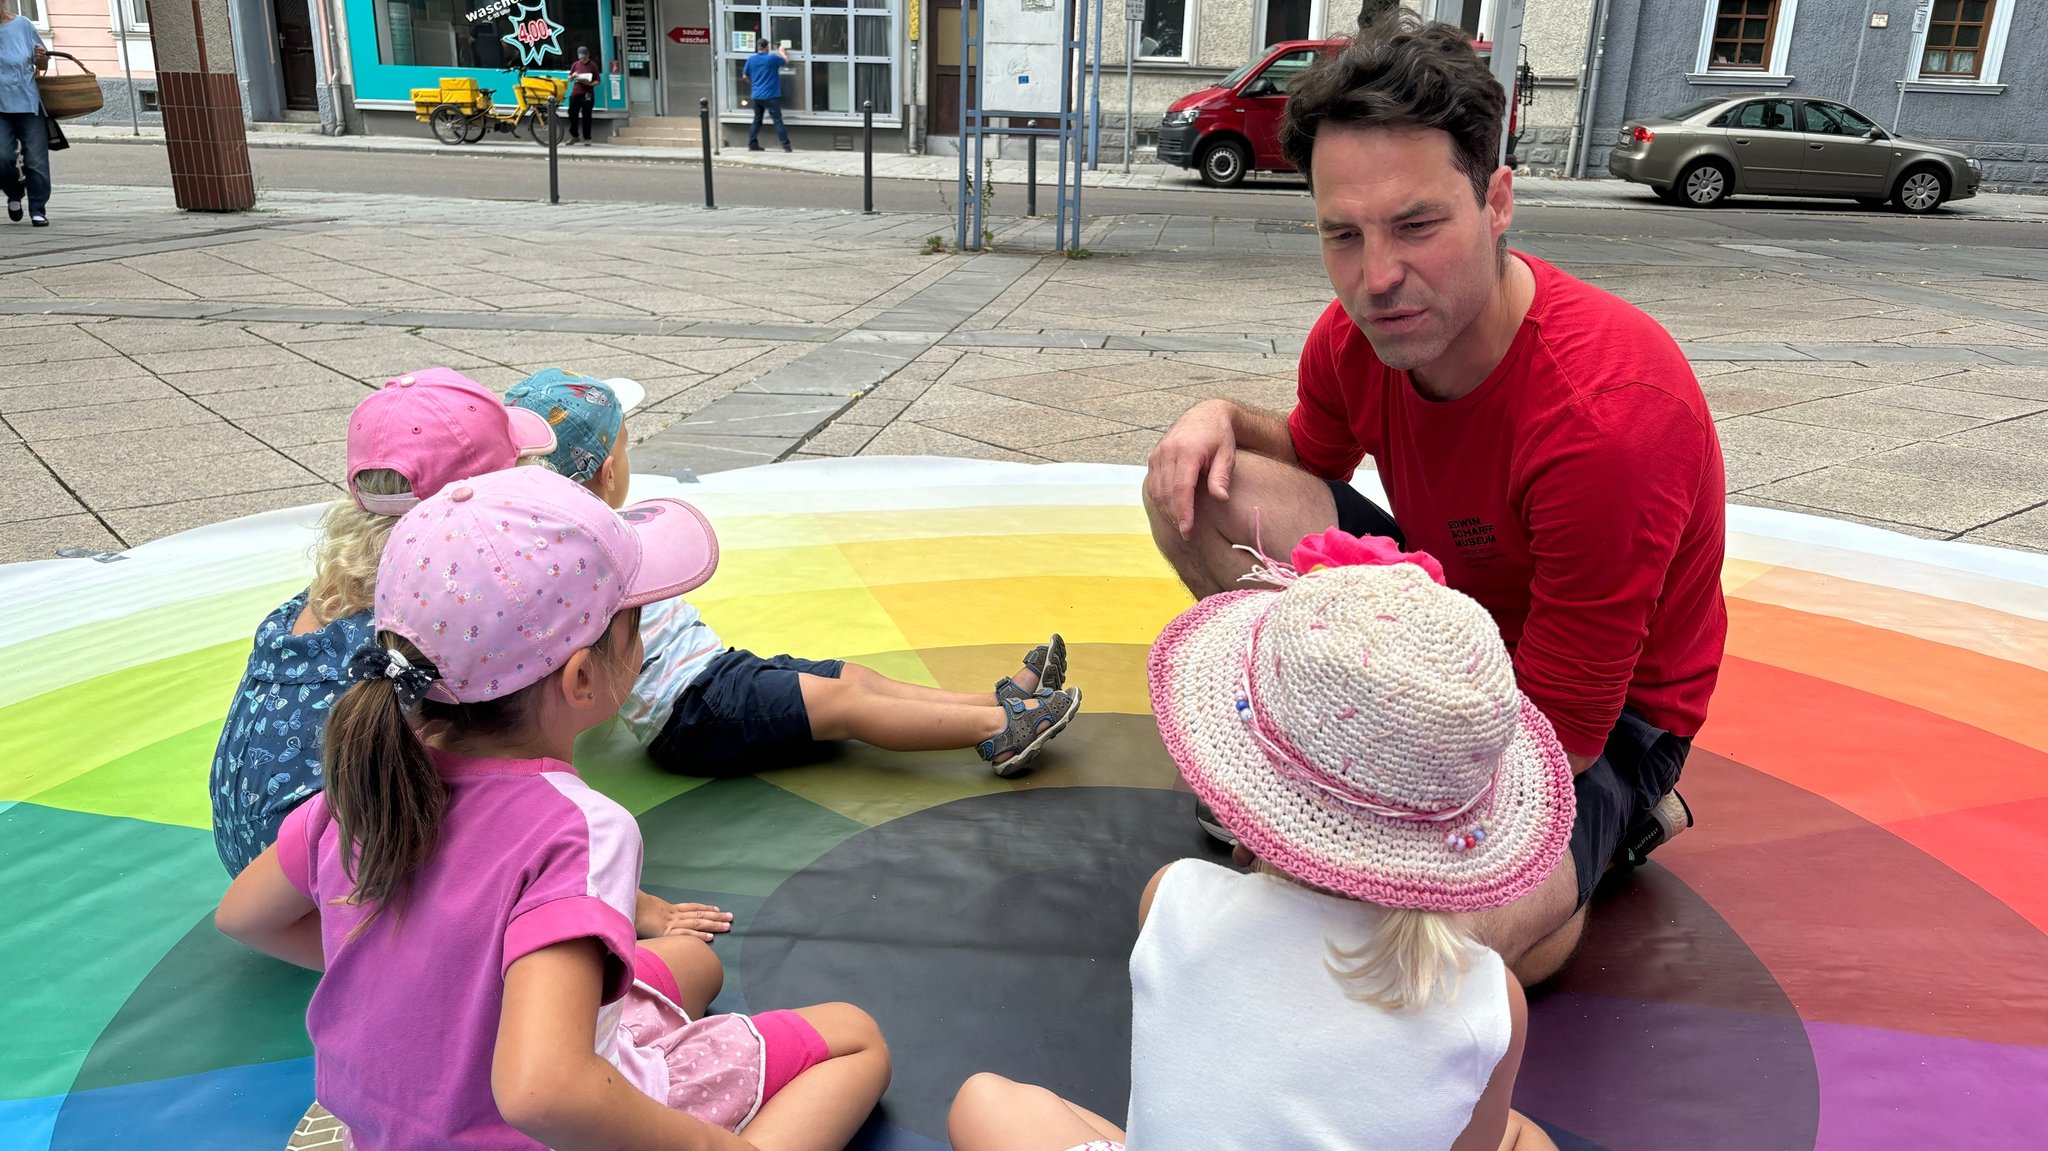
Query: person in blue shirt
column 24, row 135
column 764, row 70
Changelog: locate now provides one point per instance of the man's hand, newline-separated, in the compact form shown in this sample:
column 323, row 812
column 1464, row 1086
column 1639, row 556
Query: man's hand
column 1201, row 445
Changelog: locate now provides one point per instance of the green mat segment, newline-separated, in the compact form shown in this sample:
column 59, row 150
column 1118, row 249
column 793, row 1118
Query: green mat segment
column 739, row 835
column 209, row 1003
column 165, row 782
column 92, row 904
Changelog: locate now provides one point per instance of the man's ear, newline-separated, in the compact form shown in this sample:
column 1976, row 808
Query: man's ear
column 1500, row 199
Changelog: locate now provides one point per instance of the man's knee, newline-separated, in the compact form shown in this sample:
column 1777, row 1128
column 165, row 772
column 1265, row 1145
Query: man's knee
column 1547, row 956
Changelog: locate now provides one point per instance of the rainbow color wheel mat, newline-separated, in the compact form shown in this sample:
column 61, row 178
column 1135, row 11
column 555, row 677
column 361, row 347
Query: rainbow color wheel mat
column 1846, row 952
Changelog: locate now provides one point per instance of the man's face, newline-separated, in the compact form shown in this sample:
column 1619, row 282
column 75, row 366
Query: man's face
column 1411, row 252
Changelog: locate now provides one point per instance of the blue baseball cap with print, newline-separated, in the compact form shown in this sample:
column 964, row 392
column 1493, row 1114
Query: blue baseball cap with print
column 587, row 414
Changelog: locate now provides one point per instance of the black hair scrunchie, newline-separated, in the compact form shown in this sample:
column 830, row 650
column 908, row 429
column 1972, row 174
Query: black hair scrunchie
column 410, row 681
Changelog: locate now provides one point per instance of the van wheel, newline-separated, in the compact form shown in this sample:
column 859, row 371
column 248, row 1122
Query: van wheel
column 1920, row 191
column 1703, row 184
column 1223, row 164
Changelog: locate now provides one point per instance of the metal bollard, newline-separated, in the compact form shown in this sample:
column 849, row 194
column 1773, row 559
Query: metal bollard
column 867, row 157
column 704, row 124
column 554, row 131
column 1031, row 177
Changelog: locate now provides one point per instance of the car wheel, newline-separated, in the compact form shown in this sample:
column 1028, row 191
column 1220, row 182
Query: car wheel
column 1920, row 191
column 1703, row 184
column 1223, row 164
column 1668, row 193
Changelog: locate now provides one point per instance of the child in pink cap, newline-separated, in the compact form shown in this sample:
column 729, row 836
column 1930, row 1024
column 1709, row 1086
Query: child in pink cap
column 701, row 708
column 470, row 899
column 406, row 441
column 1361, row 733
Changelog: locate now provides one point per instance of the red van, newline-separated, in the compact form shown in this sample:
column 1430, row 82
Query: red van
column 1233, row 128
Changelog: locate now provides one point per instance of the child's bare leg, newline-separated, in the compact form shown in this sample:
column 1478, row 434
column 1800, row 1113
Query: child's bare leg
column 698, row 972
column 992, row 1113
column 868, row 679
column 824, row 1106
column 849, row 708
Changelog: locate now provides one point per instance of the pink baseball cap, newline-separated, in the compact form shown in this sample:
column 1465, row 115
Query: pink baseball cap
column 435, row 427
column 499, row 578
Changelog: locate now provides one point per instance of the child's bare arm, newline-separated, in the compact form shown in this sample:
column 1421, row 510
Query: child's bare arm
column 551, row 1084
column 1494, row 1126
column 263, row 910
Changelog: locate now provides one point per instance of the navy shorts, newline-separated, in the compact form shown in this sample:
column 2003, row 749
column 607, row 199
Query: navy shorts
column 1640, row 763
column 742, row 714
column 1360, row 516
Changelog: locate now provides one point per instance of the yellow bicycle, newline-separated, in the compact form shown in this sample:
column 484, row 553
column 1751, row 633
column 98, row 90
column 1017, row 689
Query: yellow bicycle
column 459, row 112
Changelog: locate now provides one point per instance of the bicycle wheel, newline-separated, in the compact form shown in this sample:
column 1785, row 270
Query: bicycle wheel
column 545, row 128
column 478, row 124
column 449, row 124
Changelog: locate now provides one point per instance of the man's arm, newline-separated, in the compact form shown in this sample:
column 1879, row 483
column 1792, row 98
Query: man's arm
column 1201, row 447
column 1606, row 512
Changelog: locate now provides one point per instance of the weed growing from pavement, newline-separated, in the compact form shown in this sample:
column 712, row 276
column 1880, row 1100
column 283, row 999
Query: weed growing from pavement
column 934, row 246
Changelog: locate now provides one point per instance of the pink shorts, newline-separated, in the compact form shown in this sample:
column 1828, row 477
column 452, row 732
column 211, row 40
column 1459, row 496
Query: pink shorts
column 790, row 1046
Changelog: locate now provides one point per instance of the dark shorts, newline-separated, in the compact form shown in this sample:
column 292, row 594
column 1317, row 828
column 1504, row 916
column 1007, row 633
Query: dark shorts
column 1641, row 762
column 742, row 714
column 1360, row 516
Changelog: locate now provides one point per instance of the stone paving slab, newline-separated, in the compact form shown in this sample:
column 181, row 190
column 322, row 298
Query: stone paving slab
column 207, row 372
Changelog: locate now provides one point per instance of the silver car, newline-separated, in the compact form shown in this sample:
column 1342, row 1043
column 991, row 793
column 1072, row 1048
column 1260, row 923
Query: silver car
column 1784, row 145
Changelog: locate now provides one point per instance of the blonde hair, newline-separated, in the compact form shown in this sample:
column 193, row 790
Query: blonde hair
column 351, row 544
column 1412, row 957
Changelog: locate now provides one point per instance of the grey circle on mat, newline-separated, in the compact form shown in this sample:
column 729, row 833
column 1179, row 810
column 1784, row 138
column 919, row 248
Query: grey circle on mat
column 986, row 934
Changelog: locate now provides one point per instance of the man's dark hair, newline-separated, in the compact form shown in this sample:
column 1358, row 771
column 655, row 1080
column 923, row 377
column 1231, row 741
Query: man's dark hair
column 1401, row 73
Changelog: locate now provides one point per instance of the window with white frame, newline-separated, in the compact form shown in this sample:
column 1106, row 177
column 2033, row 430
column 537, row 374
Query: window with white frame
column 1746, row 37
column 1164, row 34
column 130, row 14
column 840, row 55
column 1963, row 42
column 32, row 11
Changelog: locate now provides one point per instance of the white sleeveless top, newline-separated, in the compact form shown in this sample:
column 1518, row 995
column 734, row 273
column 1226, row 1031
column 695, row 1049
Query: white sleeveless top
column 1242, row 1037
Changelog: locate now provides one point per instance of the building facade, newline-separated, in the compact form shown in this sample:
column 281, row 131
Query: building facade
column 1955, row 72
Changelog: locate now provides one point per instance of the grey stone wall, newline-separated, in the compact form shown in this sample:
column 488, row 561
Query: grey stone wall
column 1653, row 44
column 117, row 93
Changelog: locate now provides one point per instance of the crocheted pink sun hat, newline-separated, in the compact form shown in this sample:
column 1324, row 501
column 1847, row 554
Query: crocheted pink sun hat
column 1361, row 730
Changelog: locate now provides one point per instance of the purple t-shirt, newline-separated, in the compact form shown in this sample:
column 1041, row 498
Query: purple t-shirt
column 405, row 1021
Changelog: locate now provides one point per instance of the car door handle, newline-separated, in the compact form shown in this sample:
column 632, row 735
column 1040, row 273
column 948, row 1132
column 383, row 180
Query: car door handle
column 1816, row 147
column 1740, row 140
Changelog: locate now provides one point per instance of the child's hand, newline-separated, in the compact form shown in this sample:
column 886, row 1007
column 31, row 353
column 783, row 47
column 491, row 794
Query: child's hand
column 654, row 917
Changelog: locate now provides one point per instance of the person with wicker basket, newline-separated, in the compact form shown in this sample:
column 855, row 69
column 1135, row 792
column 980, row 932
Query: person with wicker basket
column 24, row 134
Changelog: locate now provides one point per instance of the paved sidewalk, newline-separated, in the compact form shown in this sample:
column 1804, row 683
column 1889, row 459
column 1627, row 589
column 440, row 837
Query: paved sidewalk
column 163, row 370
column 1530, row 191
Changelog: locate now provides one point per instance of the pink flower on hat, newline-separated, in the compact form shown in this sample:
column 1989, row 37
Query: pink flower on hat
column 1336, row 549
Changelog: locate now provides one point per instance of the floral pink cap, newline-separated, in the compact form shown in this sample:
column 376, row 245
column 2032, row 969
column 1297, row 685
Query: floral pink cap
column 434, row 427
column 499, row 578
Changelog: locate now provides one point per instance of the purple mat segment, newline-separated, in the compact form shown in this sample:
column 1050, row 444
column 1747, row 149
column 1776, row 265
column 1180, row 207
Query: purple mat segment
column 1897, row 1089
column 1636, row 1076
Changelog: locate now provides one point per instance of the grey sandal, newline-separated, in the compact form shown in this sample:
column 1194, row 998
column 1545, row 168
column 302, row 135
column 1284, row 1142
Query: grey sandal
column 1048, row 661
column 1029, row 730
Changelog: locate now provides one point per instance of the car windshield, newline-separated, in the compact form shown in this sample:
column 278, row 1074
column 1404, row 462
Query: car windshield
column 1237, row 77
column 1694, row 108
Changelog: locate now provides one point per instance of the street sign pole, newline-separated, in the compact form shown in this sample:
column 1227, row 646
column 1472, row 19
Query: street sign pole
column 1920, row 15
column 1134, row 18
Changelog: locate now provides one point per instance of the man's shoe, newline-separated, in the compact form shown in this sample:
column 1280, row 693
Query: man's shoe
column 1671, row 816
column 787, row 148
column 1214, row 826
column 14, row 210
column 37, row 219
column 755, row 148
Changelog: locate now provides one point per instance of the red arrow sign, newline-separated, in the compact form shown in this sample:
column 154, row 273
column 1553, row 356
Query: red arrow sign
column 690, row 35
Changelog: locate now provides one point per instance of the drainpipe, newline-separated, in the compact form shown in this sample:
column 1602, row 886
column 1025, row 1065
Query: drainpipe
column 340, row 73
column 1592, row 82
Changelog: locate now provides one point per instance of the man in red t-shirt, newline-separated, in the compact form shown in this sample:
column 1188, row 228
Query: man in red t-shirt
column 1546, row 441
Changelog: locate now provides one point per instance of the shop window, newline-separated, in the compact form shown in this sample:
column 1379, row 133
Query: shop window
column 841, row 52
column 472, row 33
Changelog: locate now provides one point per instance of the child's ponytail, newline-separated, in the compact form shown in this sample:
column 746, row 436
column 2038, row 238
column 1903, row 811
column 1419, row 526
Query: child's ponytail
column 382, row 787
column 1412, row 957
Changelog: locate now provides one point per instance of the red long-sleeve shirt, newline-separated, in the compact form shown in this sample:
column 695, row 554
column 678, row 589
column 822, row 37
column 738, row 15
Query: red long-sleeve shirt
column 1577, row 494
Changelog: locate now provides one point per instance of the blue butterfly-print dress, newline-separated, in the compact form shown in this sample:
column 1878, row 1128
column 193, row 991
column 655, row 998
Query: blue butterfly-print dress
column 268, row 761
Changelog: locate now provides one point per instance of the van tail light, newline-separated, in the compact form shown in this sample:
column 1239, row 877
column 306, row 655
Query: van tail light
column 1641, row 135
